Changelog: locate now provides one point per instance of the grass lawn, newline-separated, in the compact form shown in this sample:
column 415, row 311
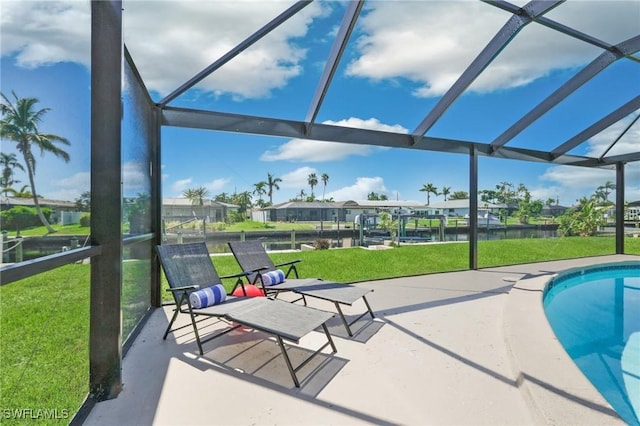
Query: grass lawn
column 44, row 319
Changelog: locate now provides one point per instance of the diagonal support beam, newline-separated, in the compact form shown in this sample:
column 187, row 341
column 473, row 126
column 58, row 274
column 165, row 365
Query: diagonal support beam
column 348, row 23
column 482, row 61
column 556, row 26
column 273, row 24
column 624, row 132
column 597, row 127
column 587, row 73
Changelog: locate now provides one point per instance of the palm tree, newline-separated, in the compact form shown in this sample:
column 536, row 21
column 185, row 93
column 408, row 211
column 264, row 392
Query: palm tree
column 429, row 188
column 196, row 196
column 325, row 180
column 22, row 192
column 8, row 163
column 223, row 197
column 302, row 194
column 312, row 180
column 259, row 190
column 20, row 124
column 603, row 191
column 243, row 200
column 446, row 190
column 272, row 183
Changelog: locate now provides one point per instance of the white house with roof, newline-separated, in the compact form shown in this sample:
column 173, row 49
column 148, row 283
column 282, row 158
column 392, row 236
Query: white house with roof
column 353, row 208
column 460, row 208
column 343, row 211
column 182, row 209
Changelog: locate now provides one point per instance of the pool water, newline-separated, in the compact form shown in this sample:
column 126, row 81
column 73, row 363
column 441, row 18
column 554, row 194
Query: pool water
column 595, row 313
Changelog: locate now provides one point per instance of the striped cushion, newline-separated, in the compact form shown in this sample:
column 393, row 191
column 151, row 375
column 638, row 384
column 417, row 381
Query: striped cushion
column 208, row 296
column 272, row 277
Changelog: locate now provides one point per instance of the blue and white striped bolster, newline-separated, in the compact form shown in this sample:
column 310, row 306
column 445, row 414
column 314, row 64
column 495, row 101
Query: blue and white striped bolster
column 273, row 277
column 208, row 296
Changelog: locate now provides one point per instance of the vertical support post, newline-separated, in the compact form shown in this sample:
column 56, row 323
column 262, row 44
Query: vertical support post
column 105, row 329
column 18, row 246
column 157, row 223
column 293, row 239
column 473, row 208
column 620, row 208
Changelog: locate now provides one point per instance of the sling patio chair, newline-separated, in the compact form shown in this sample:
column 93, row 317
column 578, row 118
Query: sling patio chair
column 198, row 292
column 259, row 268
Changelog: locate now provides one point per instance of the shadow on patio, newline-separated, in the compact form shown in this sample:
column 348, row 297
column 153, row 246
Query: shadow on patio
column 448, row 348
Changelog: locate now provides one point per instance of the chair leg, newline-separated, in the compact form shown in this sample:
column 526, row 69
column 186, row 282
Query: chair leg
column 326, row 332
column 176, row 311
column 366, row 302
column 287, row 361
column 347, row 324
column 344, row 320
column 195, row 329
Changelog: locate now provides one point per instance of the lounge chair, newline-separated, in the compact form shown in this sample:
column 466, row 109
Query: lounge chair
column 255, row 263
column 189, row 268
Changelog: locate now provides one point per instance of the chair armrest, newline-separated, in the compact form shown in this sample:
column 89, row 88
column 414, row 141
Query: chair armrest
column 240, row 275
column 291, row 262
column 184, row 288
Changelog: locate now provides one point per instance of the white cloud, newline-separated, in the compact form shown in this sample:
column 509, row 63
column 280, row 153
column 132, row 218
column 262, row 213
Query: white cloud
column 70, row 188
column 554, row 192
column 572, row 183
column 188, row 36
column 44, row 33
column 427, row 42
column 577, row 177
column 628, row 143
column 180, row 185
column 216, row 185
column 169, row 41
column 359, row 190
column 135, row 178
column 296, row 179
column 321, row 151
column 431, row 43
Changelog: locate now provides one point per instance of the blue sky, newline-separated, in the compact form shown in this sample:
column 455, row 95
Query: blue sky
column 402, row 58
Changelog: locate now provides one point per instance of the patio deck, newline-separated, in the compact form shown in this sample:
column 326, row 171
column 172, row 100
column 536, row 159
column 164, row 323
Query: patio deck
column 458, row 348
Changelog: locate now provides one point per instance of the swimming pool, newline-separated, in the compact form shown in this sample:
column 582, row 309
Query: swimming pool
column 595, row 313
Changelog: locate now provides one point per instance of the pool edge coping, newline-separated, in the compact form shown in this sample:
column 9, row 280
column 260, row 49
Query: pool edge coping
column 552, row 385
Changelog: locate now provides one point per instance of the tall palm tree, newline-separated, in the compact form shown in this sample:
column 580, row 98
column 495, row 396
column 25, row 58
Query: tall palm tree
column 8, row 163
column 312, row 180
column 259, row 190
column 325, row 180
column 272, row 183
column 446, row 190
column 429, row 188
column 606, row 189
column 20, row 124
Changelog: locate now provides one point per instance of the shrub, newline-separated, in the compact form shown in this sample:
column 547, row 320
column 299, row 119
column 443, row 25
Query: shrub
column 22, row 217
column 322, row 244
column 85, row 220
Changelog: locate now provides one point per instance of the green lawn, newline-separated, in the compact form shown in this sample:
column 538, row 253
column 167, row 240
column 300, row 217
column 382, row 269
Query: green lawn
column 44, row 319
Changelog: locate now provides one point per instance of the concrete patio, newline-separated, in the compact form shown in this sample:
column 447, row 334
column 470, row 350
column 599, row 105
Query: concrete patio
column 458, row 348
